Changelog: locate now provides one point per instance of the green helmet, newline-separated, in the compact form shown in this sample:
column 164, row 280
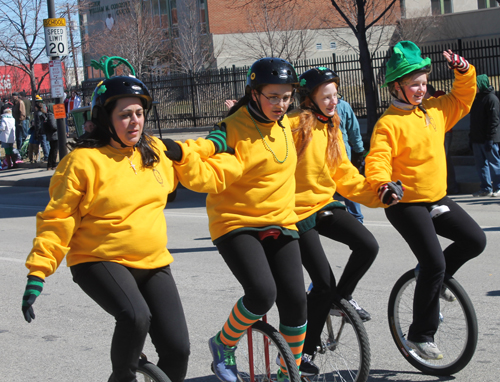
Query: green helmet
column 406, row 58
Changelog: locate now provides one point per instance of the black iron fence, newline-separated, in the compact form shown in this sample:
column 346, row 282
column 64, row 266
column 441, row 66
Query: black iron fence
column 196, row 100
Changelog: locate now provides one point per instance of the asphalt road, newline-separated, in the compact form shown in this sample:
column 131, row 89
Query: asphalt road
column 70, row 337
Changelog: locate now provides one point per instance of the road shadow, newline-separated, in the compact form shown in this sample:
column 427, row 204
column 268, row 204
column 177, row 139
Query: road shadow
column 381, row 375
column 18, row 202
column 493, row 293
column 189, row 250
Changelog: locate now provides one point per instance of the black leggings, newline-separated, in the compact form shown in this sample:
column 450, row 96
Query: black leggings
column 344, row 228
column 270, row 271
column 141, row 301
column 413, row 222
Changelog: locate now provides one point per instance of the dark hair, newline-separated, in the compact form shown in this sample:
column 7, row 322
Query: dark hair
column 245, row 100
column 101, row 136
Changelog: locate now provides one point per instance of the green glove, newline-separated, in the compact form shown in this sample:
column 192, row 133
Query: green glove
column 218, row 137
column 32, row 291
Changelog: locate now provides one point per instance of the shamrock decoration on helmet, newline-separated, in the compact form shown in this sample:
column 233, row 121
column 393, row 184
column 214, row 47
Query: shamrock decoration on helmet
column 114, row 88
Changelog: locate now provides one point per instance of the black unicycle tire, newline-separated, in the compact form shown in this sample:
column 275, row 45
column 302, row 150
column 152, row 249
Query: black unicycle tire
column 344, row 354
column 461, row 327
column 151, row 372
column 278, row 345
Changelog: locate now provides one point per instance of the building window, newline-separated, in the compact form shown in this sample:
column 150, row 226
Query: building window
column 333, row 45
column 319, row 46
column 441, row 7
column 203, row 16
column 174, row 19
column 481, row 4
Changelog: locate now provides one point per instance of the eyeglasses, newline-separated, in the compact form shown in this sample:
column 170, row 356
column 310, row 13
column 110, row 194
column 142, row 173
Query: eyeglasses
column 275, row 100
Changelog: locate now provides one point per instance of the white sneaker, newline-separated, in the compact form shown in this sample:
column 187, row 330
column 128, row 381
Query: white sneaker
column 482, row 193
column 495, row 193
column 426, row 350
column 447, row 294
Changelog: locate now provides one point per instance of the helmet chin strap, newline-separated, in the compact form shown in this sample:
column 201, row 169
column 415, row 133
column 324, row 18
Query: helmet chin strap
column 319, row 114
column 408, row 102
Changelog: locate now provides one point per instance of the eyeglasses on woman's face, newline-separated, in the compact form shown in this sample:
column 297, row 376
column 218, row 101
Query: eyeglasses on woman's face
column 275, row 100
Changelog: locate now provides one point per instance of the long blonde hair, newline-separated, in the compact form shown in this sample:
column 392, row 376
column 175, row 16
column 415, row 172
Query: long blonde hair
column 303, row 134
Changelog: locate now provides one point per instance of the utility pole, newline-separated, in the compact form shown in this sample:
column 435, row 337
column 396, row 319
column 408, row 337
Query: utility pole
column 75, row 66
column 61, row 124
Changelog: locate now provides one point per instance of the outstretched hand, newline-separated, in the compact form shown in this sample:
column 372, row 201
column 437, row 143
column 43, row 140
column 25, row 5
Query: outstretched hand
column 391, row 193
column 455, row 61
column 174, row 151
column 33, row 289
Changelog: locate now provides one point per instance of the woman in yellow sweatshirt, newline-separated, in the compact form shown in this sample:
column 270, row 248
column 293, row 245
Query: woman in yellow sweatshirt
column 105, row 215
column 323, row 168
column 250, row 206
column 408, row 144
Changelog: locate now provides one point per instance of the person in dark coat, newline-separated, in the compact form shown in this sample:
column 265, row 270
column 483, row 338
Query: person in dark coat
column 47, row 125
column 485, row 137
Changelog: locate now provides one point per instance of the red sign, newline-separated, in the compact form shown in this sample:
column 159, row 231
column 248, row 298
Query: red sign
column 13, row 79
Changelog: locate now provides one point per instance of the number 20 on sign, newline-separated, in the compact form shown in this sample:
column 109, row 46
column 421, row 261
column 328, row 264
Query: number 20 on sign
column 56, row 38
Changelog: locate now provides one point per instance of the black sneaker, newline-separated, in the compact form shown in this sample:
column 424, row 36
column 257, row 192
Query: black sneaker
column 363, row 314
column 307, row 366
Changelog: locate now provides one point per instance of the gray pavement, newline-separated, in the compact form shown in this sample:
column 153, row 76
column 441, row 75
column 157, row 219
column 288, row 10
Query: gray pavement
column 70, row 337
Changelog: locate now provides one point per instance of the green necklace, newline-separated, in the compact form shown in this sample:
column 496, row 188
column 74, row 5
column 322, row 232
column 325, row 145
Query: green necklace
column 265, row 143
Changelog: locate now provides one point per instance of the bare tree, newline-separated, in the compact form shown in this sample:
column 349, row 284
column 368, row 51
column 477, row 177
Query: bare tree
column 22, row 40
column 359, row 16
column 275, row 32
column 193, row 49
column 70, row 11
column 137, row 36
column 417, row 27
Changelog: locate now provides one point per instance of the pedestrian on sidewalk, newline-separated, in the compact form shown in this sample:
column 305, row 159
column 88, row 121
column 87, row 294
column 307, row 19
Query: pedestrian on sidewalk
column 8, row 134
column 485, row 136
column 19, row 114
column 34, row 145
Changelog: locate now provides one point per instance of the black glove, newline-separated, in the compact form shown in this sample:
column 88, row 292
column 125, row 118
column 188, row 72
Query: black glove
column 358, row 158
column 218, row 137
column 459, row 63
column 174, row 151
column 488, row 145
column 33, row 289
column 386, row 191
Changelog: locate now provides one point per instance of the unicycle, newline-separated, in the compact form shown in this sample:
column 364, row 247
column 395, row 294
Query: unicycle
column 257, row 352
column 149, row 372
column 457, row 333
column 344, row 352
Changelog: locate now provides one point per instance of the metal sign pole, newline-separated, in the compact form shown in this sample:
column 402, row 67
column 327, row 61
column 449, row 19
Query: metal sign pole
column 55, row 49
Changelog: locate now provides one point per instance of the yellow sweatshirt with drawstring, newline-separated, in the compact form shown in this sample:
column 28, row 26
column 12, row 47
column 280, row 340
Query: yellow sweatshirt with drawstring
column 406, row 145
column 316, row 183
column 250, row 188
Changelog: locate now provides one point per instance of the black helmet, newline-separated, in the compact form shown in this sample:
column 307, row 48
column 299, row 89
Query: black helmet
column 119, row 87
column 309, row 80
column 270, row 71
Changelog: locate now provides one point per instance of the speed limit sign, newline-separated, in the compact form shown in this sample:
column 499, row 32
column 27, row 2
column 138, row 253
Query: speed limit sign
column 56, row 38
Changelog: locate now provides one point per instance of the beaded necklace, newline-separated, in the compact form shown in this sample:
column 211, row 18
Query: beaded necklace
column 265, row 143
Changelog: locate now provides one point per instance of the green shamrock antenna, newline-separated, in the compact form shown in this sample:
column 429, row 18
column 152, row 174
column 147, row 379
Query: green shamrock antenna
column 106, row 64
